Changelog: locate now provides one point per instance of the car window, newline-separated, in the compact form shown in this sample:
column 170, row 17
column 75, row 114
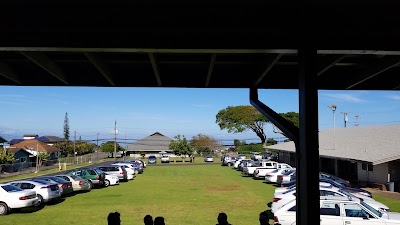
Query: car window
column 76, row 177
column 330, row 209
column 11, row 188
column 27, row 186
column 91, row 172
column 354, row 210
column 65, row 178
column 329, row 193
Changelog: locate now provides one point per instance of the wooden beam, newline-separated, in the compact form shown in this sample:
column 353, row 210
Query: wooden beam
column 8, row 73
column 330, row 62
column 210, row 69
column 155, row 68
column 271, row 61
column 101, row 66
column 375, row 69
column 47, row 64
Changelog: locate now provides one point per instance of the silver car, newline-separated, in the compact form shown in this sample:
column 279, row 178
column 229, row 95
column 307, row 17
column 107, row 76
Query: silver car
column 115, row 170
column 45, row 190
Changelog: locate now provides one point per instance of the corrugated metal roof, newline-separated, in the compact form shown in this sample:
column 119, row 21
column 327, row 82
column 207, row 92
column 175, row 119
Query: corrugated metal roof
column 154, row 142
column 375, row 144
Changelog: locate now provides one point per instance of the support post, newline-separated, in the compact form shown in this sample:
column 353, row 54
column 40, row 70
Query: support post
column 307, row 153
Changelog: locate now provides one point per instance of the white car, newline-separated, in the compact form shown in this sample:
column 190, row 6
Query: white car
column 164, row 159
column 45, row 190
column 272, row 176
column 340, row 210
column 12, row 197
column 208, row 159
column 110, row 180
column 281, row 199
column 130, row 169
column 286, row 177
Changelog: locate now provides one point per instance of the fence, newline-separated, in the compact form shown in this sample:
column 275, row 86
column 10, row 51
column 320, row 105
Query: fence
column 13, row 169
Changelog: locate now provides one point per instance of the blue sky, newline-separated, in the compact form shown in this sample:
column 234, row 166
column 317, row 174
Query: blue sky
column 140, row 112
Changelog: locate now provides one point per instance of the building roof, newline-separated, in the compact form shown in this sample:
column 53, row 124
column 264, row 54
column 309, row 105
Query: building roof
column 15, row 150
column 375, row 144
column 33, row 144
column 244, row 43
column 154, row 142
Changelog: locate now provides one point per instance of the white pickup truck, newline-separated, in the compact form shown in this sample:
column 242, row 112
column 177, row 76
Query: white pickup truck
column 249, row 171
column 260, row 173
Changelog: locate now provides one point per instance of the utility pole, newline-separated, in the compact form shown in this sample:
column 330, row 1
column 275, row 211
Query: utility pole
column 37, row 158
column 74, row 147
column 97, row 146
column 126, row 146
column 115, row 141
column 333, row 107
column 345, row 118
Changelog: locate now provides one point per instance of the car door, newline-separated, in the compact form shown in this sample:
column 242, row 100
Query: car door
column 330, row 214
column 354, row 214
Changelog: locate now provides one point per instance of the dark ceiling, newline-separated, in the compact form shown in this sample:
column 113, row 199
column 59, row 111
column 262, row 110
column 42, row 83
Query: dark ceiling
column 236, row 44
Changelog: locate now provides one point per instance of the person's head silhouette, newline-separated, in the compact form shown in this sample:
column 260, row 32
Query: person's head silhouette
column 114, row 218
column 159, row 220
column 222, row 219
column 263, row 218
column 148, row 220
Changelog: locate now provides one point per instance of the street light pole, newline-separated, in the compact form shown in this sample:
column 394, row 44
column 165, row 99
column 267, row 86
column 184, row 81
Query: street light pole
column 97, row 147
column 333, row 107
column 115, row 141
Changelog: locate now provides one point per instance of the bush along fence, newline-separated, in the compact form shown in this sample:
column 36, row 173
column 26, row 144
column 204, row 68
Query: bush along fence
column 17, row 168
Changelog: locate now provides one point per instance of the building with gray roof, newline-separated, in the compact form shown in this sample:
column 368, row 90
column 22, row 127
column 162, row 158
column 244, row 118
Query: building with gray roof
column 369, row 153
column 152, row 144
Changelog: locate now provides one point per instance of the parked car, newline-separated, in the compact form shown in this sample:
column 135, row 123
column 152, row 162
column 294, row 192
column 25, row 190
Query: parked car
column 45, row 190
column 94, row 176
column 64, row 186
column 272, row 176
column 242, row 156
column 164, row 159
column 325, row 189
column 13, row 197
column 285, row 178
column 129, row 167
column 208, row 158
column 116, row 170
column 78, row 183
column 340, row 210
column 110, row 180
column 321, row 175
column 152, row 159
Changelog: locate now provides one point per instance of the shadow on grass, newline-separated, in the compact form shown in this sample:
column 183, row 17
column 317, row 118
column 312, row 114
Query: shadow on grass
column 33, row 209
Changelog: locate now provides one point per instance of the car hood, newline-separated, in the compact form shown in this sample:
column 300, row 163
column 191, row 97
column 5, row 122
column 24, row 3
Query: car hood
column 391, row 216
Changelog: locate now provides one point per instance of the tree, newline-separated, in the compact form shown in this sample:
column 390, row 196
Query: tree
column 237, row 119
column 181, row 146
column 203, row 144
column 6, row 156
column 237, row 142
column 66, row 127
column 271, row 141
column 42, row 157
column 292, row 117
column 109, row 147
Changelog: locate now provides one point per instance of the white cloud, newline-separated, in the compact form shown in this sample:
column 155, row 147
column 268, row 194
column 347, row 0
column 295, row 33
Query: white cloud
column 394, row 97
column 344, row 98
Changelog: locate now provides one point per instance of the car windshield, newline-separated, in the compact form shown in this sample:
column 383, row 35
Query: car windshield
column 11, row 188
column 98, row 171
column 288, row 172
column 42, row 181
column 374, row 211
column 57, row 179
column 275, row 171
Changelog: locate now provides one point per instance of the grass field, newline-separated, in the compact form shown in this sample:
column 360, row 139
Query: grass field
column 185, row 194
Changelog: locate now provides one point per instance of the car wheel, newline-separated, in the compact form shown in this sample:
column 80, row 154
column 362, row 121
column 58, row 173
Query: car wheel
column 91, row 185
column 3, row 208
column 106, row 183
column 40, row 200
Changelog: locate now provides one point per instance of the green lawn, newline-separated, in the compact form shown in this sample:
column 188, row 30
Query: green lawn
column 183, row 195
